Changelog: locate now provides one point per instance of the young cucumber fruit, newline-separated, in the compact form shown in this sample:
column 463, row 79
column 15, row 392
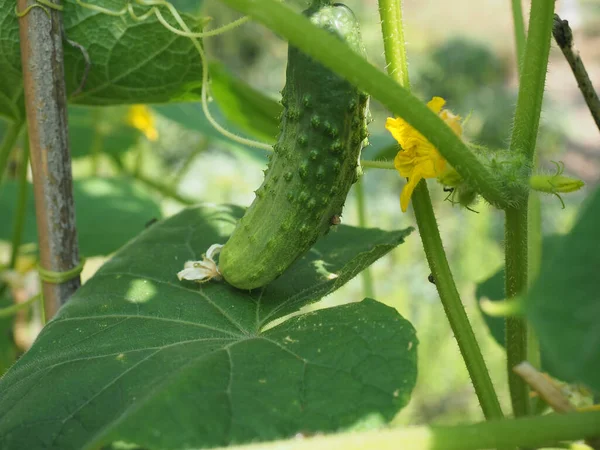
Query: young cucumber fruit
column 314, row 163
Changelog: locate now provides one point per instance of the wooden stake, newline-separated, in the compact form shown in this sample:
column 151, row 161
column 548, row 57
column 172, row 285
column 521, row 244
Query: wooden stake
column 41, row 32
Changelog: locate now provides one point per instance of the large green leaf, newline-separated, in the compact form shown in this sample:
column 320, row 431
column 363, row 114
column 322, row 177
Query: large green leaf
column 131, row 62
column 564, row 302
column 109, row 211
column 139, row 357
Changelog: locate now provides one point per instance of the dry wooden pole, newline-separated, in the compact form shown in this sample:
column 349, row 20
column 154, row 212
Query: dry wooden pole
column 46, row 104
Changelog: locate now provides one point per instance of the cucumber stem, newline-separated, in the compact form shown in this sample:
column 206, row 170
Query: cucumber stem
column 523, row 140
column 367, row 277
column 395, row 55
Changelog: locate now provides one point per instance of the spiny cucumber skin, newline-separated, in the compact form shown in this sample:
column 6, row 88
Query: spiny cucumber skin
column 314, row 164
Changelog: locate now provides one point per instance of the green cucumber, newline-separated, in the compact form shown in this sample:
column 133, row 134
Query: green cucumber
column 313, row 166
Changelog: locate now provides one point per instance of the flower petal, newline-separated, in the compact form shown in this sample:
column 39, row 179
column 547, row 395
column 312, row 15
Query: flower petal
column 404, row 162
column 436, row 104
column 398, row 128
column 452, row 120
column 409, row 188
column 194, row 274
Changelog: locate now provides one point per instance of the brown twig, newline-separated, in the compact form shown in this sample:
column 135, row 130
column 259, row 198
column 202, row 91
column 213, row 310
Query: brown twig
column 46, row 105
column 564, row 38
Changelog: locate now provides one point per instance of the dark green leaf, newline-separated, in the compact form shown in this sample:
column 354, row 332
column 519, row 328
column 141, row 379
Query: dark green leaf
column 110, row 211
column 249, row 109
column 131, row 62
column 564, row 302
column 139, row 357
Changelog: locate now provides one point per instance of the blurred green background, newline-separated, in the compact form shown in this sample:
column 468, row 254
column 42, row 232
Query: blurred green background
column 463, row 51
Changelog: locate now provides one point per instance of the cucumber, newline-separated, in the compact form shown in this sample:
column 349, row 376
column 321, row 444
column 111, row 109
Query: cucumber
column 312, row 167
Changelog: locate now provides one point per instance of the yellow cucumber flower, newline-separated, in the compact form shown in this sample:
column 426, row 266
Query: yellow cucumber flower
column 418, row 158
column 140, row 117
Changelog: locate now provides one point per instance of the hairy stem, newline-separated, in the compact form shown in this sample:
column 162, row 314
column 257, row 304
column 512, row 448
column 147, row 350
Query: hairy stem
column 516, row 254
column 395, row 54
column 337, row 56
column 526, row 124
column 533, row 78
column 393, row 41
column 519, row 27
column 455, row 311
column 365, row 163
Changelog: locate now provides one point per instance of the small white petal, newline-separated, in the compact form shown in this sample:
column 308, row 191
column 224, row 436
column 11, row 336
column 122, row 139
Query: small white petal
column 190, row 264
column 194, row 274
column 204, row 270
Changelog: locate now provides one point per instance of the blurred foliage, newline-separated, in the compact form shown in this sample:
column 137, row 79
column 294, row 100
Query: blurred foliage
column 471, row 78
column 95, row 130
column 109, row 212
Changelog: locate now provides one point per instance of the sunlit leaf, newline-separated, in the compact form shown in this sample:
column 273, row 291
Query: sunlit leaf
column 139, row 357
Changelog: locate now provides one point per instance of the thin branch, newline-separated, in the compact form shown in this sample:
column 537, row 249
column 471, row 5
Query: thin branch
column 564, row 38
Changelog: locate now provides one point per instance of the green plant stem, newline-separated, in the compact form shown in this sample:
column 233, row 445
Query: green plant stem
column 519, row 27
column 534, row 206
column 190, row 158
column 393, row 41
column 453, row 307
column 540, row 431
column 13, row 309
column 526, row 124
column 10, row 138
column 337, row 56
column 367, row 278
column 395, row 54
column 533, row 78
column 365, row 163
column 21, row 210
column 516, row 257
column 164, row 189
